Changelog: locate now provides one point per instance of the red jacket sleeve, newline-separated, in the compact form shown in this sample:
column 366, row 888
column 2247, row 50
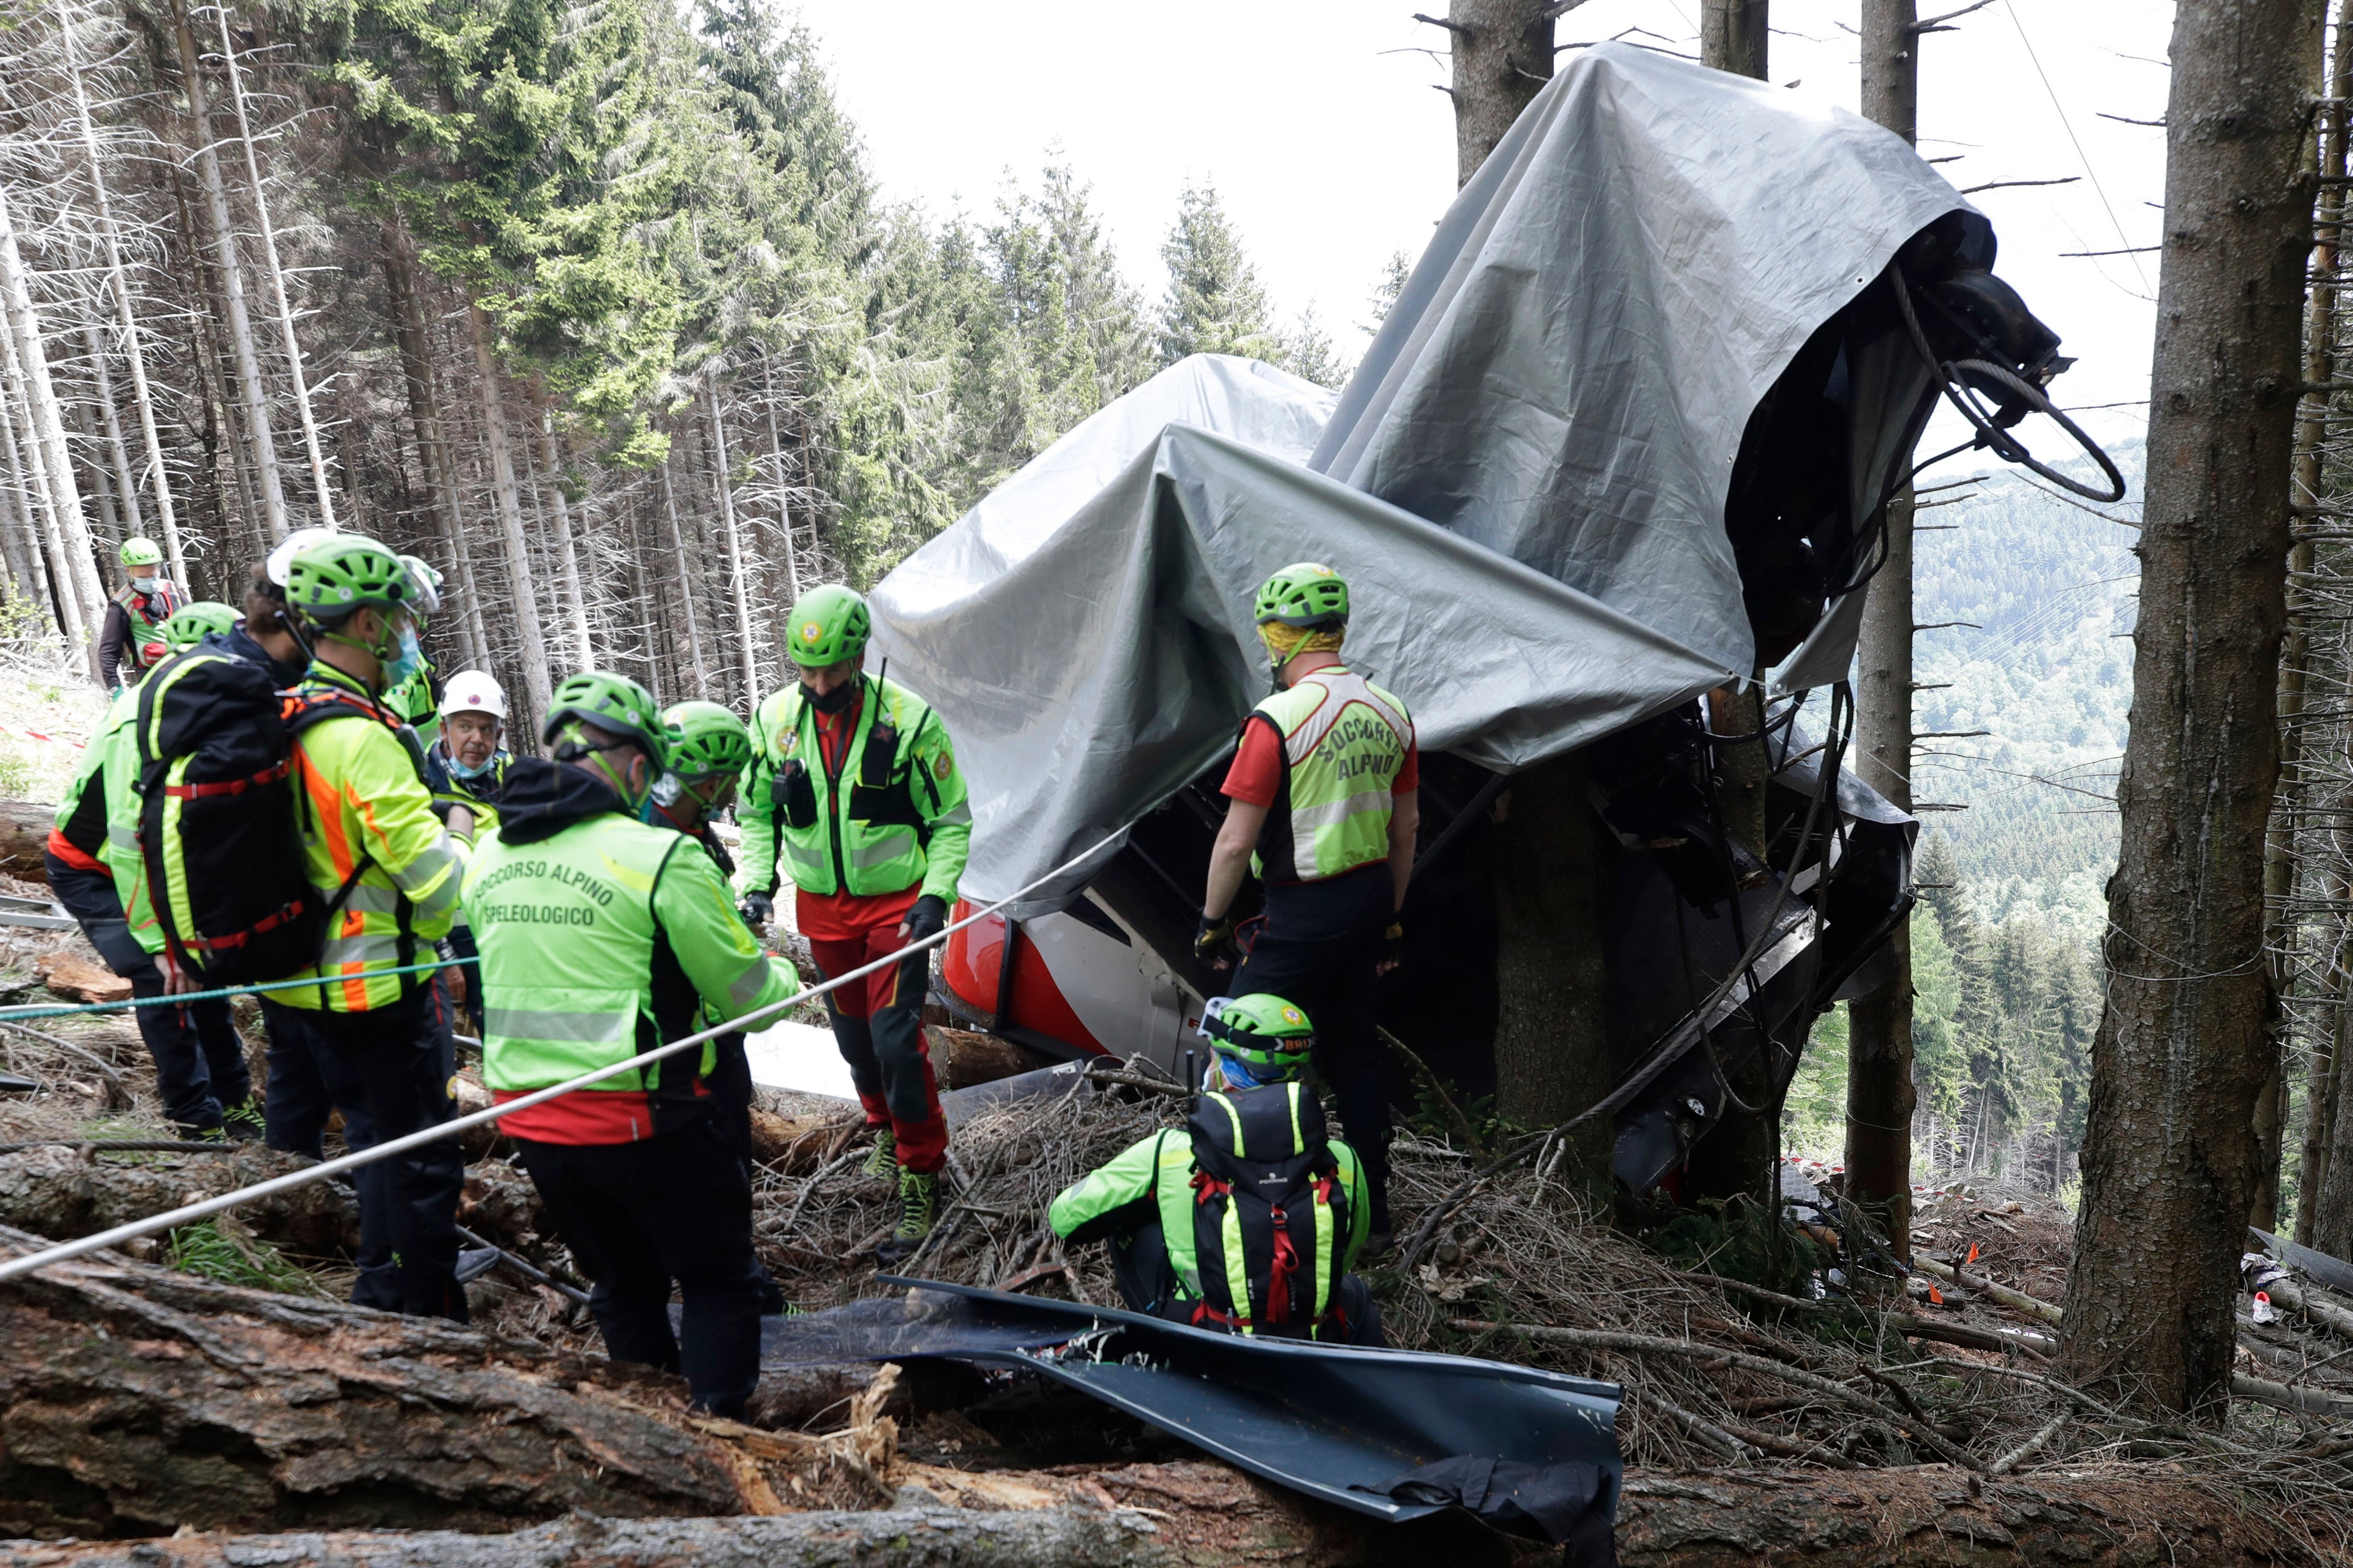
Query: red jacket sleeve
column 1257, row 774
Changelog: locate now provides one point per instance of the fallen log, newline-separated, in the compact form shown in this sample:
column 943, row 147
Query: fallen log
column 2016, row 1300
column 57, row 1193
column 24, row 836
column 2288, row 1293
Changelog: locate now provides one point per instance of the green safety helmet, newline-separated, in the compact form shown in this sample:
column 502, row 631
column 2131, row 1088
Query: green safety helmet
column 1269, row 1034
column 1305, row 594
column 193, row 623
column 426, row 579
column 612, row 702
column 141, row 552
column 827, row 624
column 332, row 577
column 705, row 738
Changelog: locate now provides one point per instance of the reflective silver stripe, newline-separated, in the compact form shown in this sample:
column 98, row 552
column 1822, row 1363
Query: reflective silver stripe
column 889, row 845
column 1306, row 819
column 443, row 857
column 533, row 1024
column 370, row 950
column 956, row 817
column 373, row 898
column 122, row 837
column 808, row 861
column 746, row 987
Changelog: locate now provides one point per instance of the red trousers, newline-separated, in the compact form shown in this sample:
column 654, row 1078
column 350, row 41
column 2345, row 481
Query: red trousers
column 878, row 1021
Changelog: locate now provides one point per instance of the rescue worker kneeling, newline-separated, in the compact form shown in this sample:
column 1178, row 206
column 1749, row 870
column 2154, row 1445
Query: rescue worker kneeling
column 601, row 937
column 1247, row 1218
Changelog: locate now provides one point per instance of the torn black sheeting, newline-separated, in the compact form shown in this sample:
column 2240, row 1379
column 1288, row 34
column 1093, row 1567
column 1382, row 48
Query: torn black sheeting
column 1343, row 1425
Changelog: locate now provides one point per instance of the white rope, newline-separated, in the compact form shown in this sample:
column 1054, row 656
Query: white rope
column 190, row 1213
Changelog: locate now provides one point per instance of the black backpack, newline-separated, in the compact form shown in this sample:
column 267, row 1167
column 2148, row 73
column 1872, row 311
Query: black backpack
column 217, row 834
column 1265, row 1177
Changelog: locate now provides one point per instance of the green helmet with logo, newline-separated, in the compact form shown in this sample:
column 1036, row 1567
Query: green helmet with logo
column 141, row 552
column 191, row 624
column 612, row 702
column 706, row 739
column 1304, row 594
column 331, row 578
column 827, row 625
column 1269, row 1034
column 426, row 579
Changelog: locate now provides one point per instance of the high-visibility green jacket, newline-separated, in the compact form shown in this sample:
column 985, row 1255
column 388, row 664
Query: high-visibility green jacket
column 1156, row 1178
column 601, row 938
column 360, row 797
column 1344, row 742
column 417, row 702
column 98, row 822
column 894, row 813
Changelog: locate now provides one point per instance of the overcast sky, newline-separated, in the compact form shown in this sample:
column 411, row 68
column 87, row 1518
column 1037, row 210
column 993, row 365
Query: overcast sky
column 1319, row 124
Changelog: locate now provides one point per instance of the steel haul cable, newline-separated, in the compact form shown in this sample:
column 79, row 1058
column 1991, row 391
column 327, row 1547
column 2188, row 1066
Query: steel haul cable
column 190, row 1213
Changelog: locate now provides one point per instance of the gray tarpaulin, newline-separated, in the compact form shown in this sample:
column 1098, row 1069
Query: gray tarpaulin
column 1567, row 373
column 1536, row 452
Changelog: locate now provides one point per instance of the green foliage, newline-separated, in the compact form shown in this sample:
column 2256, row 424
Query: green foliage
column 234, row 1257
column 1731, row 1236
column 1216, row 304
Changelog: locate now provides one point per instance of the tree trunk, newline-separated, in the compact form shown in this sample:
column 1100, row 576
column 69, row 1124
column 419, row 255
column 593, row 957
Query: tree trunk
column 19, row 533
column 576, row 600
column 44, row 448
column 1503, row 58
column 1552, row 1056
column 416, row 346
column 125, row 485
column 232, row 280
column 2169, row 1171
column 118, row 283
column 1879, row 1097
column 24, row 836
column 685, row 583
column 532, row 649
column 291, row 346
column 739, row 591
column 1733, row 35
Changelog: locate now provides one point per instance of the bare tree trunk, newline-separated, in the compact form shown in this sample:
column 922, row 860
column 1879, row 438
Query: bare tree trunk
column 31, row 572
column 293, row 349
column 784, row 506
column 125, row 484
column 2324, row 1210
column 100, row 488
column 738, row 590
column 2169, row 1168
column 575, row 599
column 232, row 277
column 1503, row 58
column 52, row 464
column 1552, row 1058
column 133, row 354
column 1733, row 35
column 532, row 649
column 1879, row 1097
column 685, row 583
column 424, row 416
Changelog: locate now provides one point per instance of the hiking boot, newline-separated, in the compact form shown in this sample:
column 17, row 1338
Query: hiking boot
column 883, row 1160
column 203, row 1134
column 243, row 1120
column 919, row 1203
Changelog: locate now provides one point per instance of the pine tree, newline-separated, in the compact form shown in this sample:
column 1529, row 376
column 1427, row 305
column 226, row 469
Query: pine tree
column 1214, row 302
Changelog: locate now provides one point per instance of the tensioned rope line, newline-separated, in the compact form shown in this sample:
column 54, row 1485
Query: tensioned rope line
column 25, row 1014
column 190, row 1213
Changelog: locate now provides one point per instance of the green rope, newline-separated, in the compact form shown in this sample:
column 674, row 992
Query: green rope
column 26, row 1014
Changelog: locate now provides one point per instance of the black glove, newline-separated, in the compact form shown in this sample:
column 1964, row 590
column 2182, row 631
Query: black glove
column 1215, row 940
column 926, row 916
column 757, row 908
column 1393, row 942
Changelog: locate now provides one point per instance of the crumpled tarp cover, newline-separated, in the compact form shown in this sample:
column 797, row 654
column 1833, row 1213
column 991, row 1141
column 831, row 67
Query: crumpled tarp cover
column 1536, row 452
column 1328, row 1420
column 1567, row 373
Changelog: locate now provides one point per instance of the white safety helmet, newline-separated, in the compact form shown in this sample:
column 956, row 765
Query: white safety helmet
column 281, row 556
column 473, row 691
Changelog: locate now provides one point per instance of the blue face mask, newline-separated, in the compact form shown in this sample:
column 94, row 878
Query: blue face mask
column 458, row 770
column 405, row 663
column 1237, row 1071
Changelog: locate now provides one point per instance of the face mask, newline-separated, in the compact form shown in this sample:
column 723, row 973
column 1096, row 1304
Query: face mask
column 155, row 585
column 1237, row 1071
column 832, row 701
column 462, row 771
column 405, row 663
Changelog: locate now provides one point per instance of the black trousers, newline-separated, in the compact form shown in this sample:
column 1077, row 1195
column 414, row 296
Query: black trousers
column 675, row 1206
column 199, row 1059
column 1317, row 950
column 388, row 1071
column 1147, row 1283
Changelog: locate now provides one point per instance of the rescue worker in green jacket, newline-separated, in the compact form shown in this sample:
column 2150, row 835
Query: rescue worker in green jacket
column 602, row 937
column 467, row 767
column 97, row 873
column 1322, row 803
column 390, row 870
column 1249, row 1218
column 130, row 640
column 854, row 785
